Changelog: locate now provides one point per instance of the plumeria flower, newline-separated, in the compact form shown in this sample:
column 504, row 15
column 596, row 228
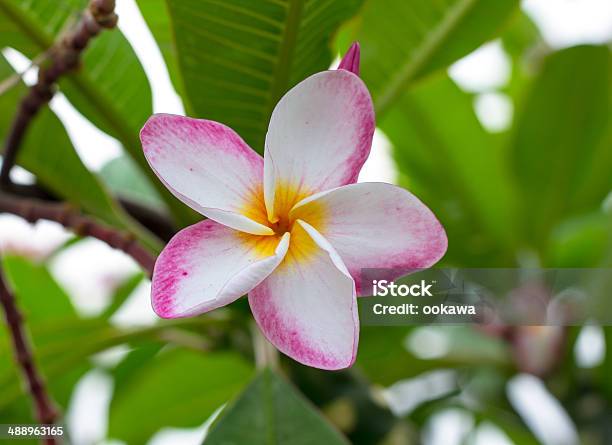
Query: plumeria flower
column 291, row 229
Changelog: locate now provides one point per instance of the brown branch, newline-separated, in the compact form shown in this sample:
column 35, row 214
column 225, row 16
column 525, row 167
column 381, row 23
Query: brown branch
column 157, row 222
column 45, row 410
column 33, row 210
column 65, row 56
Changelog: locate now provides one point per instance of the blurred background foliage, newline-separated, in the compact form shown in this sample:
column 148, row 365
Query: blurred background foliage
column 534, row 193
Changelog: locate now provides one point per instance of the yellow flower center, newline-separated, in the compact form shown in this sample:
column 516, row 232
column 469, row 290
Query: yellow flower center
column 283, row 225
column 282, row 220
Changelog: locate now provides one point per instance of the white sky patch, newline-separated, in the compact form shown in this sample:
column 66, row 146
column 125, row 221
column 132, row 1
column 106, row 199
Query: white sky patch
column 137, row 310
column 94, row 147
column 428, row 343
column 448, row 427
column 487, row 68
column 111, row 357
column 335, row 63
column 565, row 23
column 90, row 271
column 404, row 396
column 35, row 241
column 21, row 64
column 184, row 436
column 379, row 166
column 488, row 434
column 542, row 413
column 20, row 175
column 90, row 401
column 136, row 31
column 494, row 111
column 590, row 347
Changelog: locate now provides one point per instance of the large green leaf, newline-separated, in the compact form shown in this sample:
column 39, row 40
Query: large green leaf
column 67, row 344
column 270, row 412
column 155, row 13
column 178, row 388
column 561, row 142
column 403, row 41
column 110, row 87
column 48, row 152
column 99, row 89
column 448, row 160
column 385, row 358
column 238, row 57
column 580, row 241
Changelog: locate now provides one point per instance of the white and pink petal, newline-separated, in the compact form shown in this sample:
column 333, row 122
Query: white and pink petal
column 319, row 137
column 207, row 166
column 209, row 265
column 307, row 307
column 376, row 226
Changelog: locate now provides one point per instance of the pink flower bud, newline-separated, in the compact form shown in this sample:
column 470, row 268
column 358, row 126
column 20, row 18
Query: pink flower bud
column 350, row 61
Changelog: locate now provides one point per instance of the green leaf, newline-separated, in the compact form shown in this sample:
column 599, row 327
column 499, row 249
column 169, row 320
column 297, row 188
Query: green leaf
column 179, row 388
column 157, row 17
column 47, row 152
column 30, row 283
column 238, row 57
column 268, row 412
column 448, row 160
column 520, row 36
column 122, row 294
column 404, row 41
column 125, row 179
column 110, row 88
column 580, row 241
column 65, row 345
column 34, row 26
column 385, row 358
column 526, row 48
column 138, row 358
column 561, row 143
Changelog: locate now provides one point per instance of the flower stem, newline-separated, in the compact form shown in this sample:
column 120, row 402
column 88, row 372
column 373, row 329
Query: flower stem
column 266, row 355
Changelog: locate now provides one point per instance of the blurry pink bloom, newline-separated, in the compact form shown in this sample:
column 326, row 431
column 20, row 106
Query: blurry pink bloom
column 291, row 229
column 536, row 349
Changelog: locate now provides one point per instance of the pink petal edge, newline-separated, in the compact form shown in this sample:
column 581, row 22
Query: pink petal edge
column 296, row 331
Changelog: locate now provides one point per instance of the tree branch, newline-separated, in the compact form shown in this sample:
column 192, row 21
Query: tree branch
column 157, row 222
column 46, row 413
column 65, row 56
column 33, row 210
